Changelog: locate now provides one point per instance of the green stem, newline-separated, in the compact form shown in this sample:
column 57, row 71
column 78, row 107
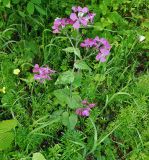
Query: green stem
column 95, row 137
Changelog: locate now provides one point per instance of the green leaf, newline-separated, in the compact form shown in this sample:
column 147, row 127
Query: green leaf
column 69, row 121
column 7, row 125
column 65, row 78
column 77, row 80
column 69, row 49
column 65, row 118
column 62, row 95
column 6, row 3
column 73, row 121
column 81, row 65
column 38, row 156
column 76, row 51
column 30, row 8
column 74, row 101
column 36, row 1
column 40, row 10
column 6, row 140
column 22, row 14
column 15, row 1
column 103, row 8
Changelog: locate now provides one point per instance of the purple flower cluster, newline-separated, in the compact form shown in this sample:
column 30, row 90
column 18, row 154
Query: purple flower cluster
column 79, row 16
column 84, row 112
column 43, row 73
column 101, row 44
column 60, row 23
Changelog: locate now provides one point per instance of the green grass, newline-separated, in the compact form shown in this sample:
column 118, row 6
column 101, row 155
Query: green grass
column 117, row 128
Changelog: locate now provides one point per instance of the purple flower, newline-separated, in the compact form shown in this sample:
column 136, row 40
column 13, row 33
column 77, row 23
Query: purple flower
column 83, row 112
column 60, row 23
column 81, row 16
column 91, row 16
column 43, row 73
column 101, row 57
column 100, row 44
column 84, row 102
column 89, row 42
column 92, row 105
column 80, row 9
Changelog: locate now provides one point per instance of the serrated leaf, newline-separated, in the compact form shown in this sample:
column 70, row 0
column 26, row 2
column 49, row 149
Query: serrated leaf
column 38, row 156
column 65, row 118
column 65, row 78
column 81, row 65
column 76, row 51
column 40, row 10
column 6, row 140
column 73, row 121
column 7, row 125
column 30, row 8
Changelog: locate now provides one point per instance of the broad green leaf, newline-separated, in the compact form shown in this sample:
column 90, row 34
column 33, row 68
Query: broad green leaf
column 6, row 140
column 81, row 65
column 74, row 101
column 76, row 51
column 6, row 3
column 65, row 78
column 38, row 156
column 65, row 118
column 62, row 95
column 7, row 125
column 69, row 49
column 40, row 10
column 73, row 121
column 77, row 80
column 99, row 26
column 30, row 8
column 22, row 14
column 103, row 8
column 145, row 24
column 36, row 1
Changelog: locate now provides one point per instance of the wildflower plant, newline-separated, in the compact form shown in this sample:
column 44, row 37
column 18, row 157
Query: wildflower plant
column 63, row 94
column 79, row 18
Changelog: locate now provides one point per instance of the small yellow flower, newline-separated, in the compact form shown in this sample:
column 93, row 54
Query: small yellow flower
column 3, row 90
column 16, row 71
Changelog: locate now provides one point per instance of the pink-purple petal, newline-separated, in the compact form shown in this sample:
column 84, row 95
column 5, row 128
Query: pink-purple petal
column 76, row 25
column 73, row 17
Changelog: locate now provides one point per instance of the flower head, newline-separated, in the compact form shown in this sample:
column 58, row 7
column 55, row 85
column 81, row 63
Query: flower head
column 43, row 73
column 92, row 105
column 3, row 90
column 89, row 42
column 141, row 38
column 81, row 16
column 16, row 71
column 60, row 23
column 85, row 112
column 100, row 44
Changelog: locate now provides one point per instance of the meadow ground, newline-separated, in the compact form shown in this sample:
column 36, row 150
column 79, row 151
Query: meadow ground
column 40, row 119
